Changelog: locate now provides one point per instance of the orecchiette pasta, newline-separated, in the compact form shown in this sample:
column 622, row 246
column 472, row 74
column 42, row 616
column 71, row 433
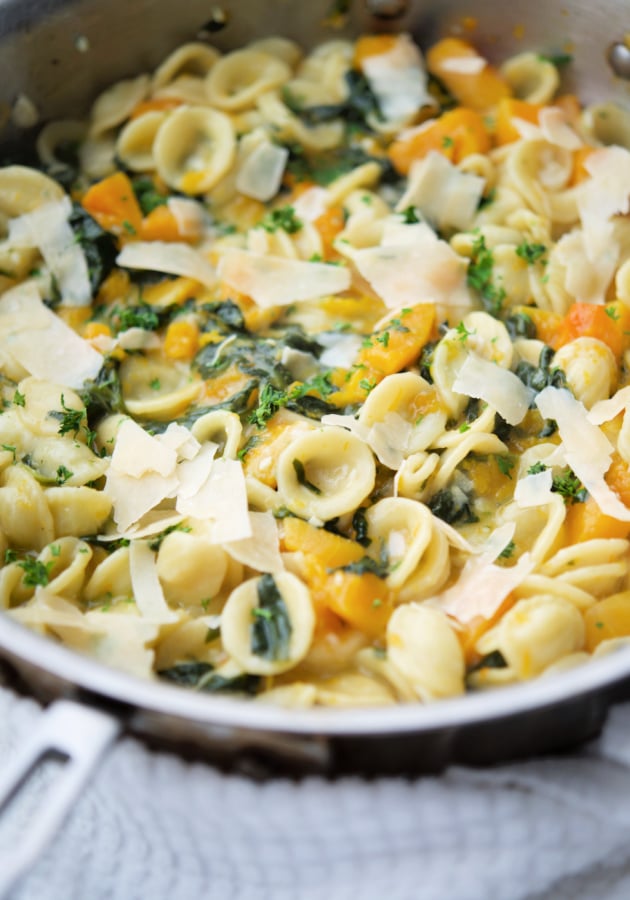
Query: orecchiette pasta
column 348, row 424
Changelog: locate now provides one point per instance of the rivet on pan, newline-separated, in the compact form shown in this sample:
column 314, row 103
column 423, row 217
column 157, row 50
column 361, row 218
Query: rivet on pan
column 619, row 59
column 217, row 22
column 387, row 9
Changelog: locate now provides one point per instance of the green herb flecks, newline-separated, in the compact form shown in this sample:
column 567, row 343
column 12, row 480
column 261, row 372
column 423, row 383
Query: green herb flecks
column 63, row 475
column 271, row 629
column 531, row 253
column 36, row 573
column 480, row 277
column 71, row 419
column 282, row 218
column 569, row 486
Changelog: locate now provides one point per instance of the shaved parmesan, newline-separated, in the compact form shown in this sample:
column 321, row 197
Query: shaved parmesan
column 398, row 79
column 341, row 349
column 132, row 498
column 499, row 387
column 554, row 128
column 446, row 196
column 137, row 453
column 605, row 410
column 42, row 343
column 277, row 281
column 464, row 65
column 534, row 490
column 170, row 258
column 189, row 215
column 47, row 228
column 261, row 173
column 412, row 266
column 147, row 590
column 194, row 473
column 311, row 204
column 261, row 551
column 586, row 449
column 181, row 440
column 223, row 500
column 590, row 258
column 482, row 587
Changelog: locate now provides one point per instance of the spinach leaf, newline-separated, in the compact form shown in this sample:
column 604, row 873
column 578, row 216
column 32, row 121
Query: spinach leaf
column 98, row 246
column 270, row 632
column 102, row 395
column 541, row 376
column 147, row 195
column 452, row 505
column 201, row 677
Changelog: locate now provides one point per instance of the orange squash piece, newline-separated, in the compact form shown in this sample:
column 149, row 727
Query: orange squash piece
column 481, row 89
column 456, row 135
column 113, row 204
column 609, row 618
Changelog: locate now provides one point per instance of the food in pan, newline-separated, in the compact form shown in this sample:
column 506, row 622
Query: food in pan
column 315, row 374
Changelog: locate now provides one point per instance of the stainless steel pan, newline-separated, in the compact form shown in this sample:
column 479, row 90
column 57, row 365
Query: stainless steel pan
column 60, row 53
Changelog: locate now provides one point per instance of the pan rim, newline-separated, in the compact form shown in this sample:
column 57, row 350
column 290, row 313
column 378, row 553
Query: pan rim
column 108, row 684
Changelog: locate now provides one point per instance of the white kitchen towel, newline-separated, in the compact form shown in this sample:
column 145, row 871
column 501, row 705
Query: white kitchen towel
column 152, row 827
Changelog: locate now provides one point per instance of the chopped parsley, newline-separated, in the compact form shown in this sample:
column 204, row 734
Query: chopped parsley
column 569, row 486
column 536, row 468
column 282, row 218
column 19, row 399
column 36, row 573
column 508, row 550
column 480, row 277
column 71, row 419
column 63, row 475
column 506, row 464
column 531, row 253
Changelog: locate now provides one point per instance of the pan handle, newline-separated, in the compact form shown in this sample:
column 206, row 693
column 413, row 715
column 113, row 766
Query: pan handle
column 76, row 736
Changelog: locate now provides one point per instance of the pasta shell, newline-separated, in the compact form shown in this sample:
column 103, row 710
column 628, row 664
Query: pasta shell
column 424, row 649
column 194, row 148
column 531, row 77
column 534, row 634
column 67, row 560
column 24, row 515
column 190, row 568
column 240, row 78
column 174, row 392
column 23, row 189
column 238, row 615
column 77, row 510
column 193, row 58
column 222, row 428
column 116, row 104
column 325, row 473
column 134, row 146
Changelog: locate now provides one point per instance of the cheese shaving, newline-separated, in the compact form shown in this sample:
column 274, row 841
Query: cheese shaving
column 222, row 499
column 42, row 343
column 170, row 258
column 48, row 229
column 137, row 453
column 311, row 204
column 534, row 490
column 586, row 449
column 261, row 551
column 446, row 196
column 606, row 410
column 464, row 65
column 398, row 79
column 277, row 281
column 261, row 173
column 413, row 266
column 499, row 387
column 147, row 590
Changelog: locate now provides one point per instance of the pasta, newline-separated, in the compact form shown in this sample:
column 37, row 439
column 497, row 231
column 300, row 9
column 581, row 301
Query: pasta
column 315, row 374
